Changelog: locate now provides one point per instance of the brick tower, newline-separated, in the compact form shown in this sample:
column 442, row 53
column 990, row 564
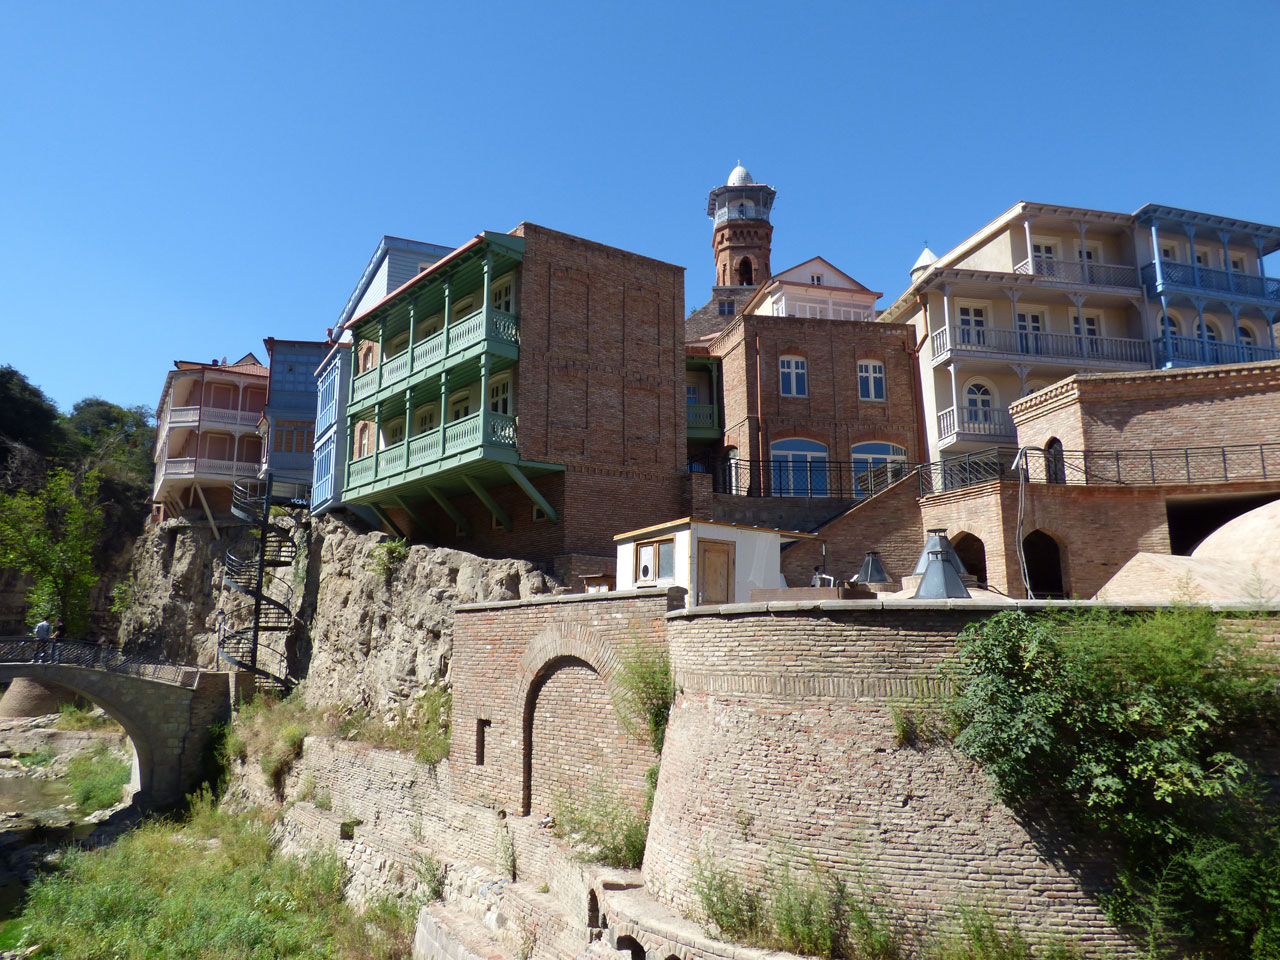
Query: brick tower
column 743, row 234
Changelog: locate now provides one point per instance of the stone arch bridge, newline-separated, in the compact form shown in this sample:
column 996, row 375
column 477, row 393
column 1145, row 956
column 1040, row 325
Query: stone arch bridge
column 165, row 709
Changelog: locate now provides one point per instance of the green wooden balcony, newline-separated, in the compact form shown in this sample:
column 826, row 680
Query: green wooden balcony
column 489, row 331
column 481, row 436
column 702, row 421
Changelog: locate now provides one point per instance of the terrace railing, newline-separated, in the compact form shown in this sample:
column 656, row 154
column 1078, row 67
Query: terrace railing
column 835, row 479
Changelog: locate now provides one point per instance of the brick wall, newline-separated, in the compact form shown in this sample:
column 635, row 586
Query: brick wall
column 781, row 749
column 1155, row 409
column 756, row 414
column 889, row 522
column 539, row 677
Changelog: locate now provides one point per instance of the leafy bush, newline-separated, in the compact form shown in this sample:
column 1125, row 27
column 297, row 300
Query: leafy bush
column 389, row 556
column 96, row 779
column 603, row 828
column 121, row 598
column 646, row 691
column 431, row 876
column 423, row 729
column 1136, row 726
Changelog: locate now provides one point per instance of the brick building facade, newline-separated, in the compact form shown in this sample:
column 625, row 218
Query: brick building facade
column 570, row 395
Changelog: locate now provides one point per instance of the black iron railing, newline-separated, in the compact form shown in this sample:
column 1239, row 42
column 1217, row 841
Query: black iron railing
column 1186, row 465
column 836, row 479
column 79, row 653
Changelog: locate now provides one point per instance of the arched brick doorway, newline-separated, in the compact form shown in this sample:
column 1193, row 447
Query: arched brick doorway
column 1044, row 566
column 973, row 554
column 573, row 740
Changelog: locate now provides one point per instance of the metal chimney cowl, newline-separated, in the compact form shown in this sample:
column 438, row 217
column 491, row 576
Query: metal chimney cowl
column 872, row 569
column 940, row 580
column 937, row 540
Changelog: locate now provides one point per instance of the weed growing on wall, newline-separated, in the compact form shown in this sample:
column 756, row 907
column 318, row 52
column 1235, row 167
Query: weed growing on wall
column 645, row 692
column 603, row 828
column 388, row 557
column 981, row 936
column 813, row 913
column 505, row 847
column 431, row 876
column 1140, row 727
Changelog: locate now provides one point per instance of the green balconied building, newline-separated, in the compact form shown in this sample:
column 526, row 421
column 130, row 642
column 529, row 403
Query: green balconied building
column 493, row 395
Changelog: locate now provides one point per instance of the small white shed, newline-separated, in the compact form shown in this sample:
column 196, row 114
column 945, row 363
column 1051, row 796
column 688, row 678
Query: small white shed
column 715, row 562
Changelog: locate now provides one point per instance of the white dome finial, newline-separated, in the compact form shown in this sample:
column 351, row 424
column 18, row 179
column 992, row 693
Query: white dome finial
column 740, row 176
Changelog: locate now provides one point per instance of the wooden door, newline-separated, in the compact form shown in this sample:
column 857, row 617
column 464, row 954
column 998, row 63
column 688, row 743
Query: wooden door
column 715, row 571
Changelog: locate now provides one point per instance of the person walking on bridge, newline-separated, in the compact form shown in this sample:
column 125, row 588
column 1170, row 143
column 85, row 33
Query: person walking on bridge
column 43, row 629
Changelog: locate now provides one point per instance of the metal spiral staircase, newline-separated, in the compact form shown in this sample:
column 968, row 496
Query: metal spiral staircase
column 261, row 648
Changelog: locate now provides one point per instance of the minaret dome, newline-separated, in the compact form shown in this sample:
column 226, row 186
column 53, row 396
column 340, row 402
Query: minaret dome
column 743, row 236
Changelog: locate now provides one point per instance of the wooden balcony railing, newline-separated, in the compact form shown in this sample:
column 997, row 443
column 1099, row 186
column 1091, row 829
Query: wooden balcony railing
column 484, row 428
column 1174, row 274
column 438, row 348
column 1079, row 271
column 986, row 422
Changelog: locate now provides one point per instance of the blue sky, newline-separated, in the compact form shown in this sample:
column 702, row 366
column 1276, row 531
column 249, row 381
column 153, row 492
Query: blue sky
column 180, row 181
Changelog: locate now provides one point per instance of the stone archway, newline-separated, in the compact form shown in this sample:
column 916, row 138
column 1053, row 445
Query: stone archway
column 167, row 723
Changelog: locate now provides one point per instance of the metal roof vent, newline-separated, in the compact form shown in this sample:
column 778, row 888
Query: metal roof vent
column 940, row 580
column 872, row 569
column 937, row 540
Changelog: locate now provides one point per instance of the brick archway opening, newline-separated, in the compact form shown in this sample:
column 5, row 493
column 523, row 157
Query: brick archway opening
column 1044, row 566
column 973, row 554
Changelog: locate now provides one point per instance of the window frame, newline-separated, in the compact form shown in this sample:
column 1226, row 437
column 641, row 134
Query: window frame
column 656, row 545
column 793, row 375
column 870, row 378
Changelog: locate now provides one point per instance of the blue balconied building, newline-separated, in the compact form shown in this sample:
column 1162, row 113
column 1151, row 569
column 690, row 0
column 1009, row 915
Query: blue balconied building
column 288, row 424
column 1217, row 304
column 395, row 262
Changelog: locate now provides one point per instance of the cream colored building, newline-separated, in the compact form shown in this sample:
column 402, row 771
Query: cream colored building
column 1043, row 292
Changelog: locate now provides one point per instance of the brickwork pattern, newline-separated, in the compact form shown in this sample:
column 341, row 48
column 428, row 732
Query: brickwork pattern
column 599, row 390
column 781, row 749
column 502, row 654
column 889, row 522
column 1155, row 409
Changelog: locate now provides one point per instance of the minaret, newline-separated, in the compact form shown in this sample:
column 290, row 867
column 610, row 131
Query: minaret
column 743, row 234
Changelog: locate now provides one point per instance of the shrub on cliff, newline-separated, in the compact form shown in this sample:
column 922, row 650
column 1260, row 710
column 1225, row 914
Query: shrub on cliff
column 1140, row 728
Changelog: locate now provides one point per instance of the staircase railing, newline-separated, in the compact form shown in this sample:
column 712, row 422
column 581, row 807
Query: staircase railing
column 249, row 648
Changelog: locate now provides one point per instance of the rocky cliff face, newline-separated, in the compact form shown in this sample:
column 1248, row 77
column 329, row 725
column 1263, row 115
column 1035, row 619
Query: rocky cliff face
column 379, row 638
column 371, row 631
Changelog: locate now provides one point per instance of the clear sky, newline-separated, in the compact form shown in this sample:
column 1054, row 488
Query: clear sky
column 181, row 180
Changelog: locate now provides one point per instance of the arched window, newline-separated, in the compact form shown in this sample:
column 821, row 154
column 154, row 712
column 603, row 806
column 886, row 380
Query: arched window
column 1032, row 386
column 793, row 376
column 368, row 357
column 364, row 439
column 875, row 465
column 978, row 401
column 870, row 380
column 744, row 272
column 1209, row 330
column 799, row 468
column 1055, row 461
column 459, row 405
column 1245, row 335
column 1169, row 325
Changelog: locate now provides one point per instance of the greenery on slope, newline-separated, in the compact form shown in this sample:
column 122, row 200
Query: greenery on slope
column 212, row 886
column 1143, row 731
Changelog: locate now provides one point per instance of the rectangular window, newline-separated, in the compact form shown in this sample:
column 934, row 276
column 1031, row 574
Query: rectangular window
column 482, row 734
column 870, row 380
column 500, row 396
column 655, row 560
column 1044, row 250
column 815, row 279
column 1166, row 253
column 690, row 394
column 973, row 322
column 501, row 297
column 793, row 377
column 1237, row 264
column 725, row 307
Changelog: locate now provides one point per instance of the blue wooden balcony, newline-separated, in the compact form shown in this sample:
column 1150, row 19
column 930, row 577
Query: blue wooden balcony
column 1174, row 351
column 1193, row 279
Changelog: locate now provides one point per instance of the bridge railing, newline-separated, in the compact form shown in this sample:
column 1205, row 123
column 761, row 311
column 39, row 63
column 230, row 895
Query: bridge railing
column 78, row 653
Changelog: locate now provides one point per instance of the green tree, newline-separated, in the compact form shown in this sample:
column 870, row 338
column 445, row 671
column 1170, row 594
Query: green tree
column 27, row 416
column 50, row 535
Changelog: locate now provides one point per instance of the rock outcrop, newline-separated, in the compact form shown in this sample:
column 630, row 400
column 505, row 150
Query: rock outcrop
column 373, row 629
column 380, row 631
